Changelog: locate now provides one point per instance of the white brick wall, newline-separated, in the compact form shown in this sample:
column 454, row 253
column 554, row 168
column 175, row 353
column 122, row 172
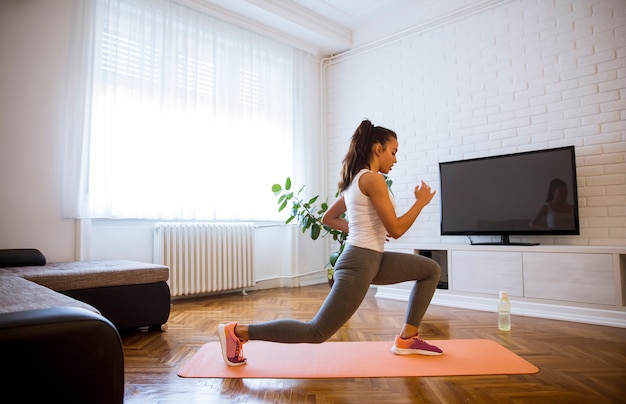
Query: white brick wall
column 522, row 75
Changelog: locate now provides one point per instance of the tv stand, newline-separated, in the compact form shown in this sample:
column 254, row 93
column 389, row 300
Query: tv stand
column 566, row 282
column 504, row 240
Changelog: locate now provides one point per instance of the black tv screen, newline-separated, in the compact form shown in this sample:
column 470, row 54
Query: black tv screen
column 528, row 193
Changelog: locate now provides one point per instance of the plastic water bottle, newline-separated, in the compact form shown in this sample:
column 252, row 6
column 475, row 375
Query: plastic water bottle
column 504, row 312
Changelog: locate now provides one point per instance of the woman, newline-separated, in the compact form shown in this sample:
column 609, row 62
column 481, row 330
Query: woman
column 556, row 213
column 369, row 205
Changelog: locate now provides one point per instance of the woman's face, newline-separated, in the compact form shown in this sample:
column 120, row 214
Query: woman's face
column 388, row 157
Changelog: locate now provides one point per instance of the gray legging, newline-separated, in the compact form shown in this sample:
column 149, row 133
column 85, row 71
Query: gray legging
column 355, row 270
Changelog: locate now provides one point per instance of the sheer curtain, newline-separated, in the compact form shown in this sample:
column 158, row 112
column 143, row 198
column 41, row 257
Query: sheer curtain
column 185, row 116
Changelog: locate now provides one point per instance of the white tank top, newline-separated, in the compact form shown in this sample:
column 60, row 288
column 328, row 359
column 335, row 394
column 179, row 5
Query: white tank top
column 559, row 220
column 365, row 229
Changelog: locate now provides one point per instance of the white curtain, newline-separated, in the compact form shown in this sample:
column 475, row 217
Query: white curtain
column 184, row 116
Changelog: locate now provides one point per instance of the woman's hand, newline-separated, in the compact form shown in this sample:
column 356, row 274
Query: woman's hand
column 423, row 194
column 374, row 186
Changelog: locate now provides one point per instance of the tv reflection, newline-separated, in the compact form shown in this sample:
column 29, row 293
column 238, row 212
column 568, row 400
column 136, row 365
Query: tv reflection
column 556, row 213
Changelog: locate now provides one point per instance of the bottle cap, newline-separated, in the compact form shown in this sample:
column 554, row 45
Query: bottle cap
column 503, row 294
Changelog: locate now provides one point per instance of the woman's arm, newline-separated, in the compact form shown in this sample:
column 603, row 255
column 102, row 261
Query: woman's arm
column 333, row 216
column 374, row 186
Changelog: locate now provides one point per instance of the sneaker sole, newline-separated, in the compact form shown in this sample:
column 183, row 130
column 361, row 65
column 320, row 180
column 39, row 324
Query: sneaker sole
column 405, row 351
column 221, row 332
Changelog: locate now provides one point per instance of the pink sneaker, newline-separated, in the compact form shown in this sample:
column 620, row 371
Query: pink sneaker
column 414, row 346
column 232, row 346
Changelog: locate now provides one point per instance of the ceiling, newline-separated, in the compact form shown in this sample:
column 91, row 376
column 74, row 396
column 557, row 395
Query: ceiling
column 322, row 27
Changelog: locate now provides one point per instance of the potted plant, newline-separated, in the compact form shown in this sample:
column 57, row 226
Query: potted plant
column 308, row 215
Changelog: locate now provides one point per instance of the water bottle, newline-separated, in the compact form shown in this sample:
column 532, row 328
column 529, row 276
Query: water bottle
column 504, row 312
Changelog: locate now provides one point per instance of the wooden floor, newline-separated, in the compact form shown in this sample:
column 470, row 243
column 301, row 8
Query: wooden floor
column 579, row 363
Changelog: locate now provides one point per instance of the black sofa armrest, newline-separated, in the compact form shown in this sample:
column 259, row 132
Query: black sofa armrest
column 62, row 354
column 21, row 257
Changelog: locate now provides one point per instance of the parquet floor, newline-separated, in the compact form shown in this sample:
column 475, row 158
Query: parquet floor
column 579, row 363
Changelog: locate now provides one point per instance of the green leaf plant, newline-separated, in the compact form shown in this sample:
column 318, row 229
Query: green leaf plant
column 308, row 215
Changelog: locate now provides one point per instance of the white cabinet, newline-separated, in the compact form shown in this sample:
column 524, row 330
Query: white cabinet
column 486, row 272
column 574, row 283
column 573, row 277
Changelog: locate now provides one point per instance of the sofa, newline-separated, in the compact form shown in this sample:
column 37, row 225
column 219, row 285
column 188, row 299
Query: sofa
column 60, row 324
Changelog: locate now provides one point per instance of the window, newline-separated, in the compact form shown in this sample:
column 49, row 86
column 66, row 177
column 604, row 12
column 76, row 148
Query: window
column 189, row 117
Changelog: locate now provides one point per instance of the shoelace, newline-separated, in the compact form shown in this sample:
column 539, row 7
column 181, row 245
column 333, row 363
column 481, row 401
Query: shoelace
column 426, row 344
column 239, row 349
column 417, row 338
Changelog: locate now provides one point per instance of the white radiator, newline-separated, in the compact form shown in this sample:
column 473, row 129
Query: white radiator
column 205, row 257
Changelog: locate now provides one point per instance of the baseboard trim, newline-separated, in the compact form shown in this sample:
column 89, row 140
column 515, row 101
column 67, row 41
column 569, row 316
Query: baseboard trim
column 541, row 310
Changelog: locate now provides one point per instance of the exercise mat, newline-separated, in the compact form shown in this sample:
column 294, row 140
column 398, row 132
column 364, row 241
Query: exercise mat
column 356, row 359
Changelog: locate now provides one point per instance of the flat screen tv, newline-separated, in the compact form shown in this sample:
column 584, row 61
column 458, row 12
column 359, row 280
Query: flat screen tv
column 521, row 194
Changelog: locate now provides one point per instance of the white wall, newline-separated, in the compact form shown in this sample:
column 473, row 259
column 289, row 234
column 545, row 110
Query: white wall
column 523, row 75
column 33, row 44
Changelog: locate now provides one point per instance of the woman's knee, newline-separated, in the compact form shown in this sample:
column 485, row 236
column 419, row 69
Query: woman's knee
column 436, row 269
column 318, row 336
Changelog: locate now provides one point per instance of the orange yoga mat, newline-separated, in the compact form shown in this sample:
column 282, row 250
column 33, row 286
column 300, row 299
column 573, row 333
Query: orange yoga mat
column 356, row 359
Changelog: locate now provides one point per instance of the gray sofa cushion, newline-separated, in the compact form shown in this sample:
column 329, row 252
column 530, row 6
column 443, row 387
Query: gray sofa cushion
column 18, row 294
column 62, row 276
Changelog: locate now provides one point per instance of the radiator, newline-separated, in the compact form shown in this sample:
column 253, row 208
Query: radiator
column 205, row 257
